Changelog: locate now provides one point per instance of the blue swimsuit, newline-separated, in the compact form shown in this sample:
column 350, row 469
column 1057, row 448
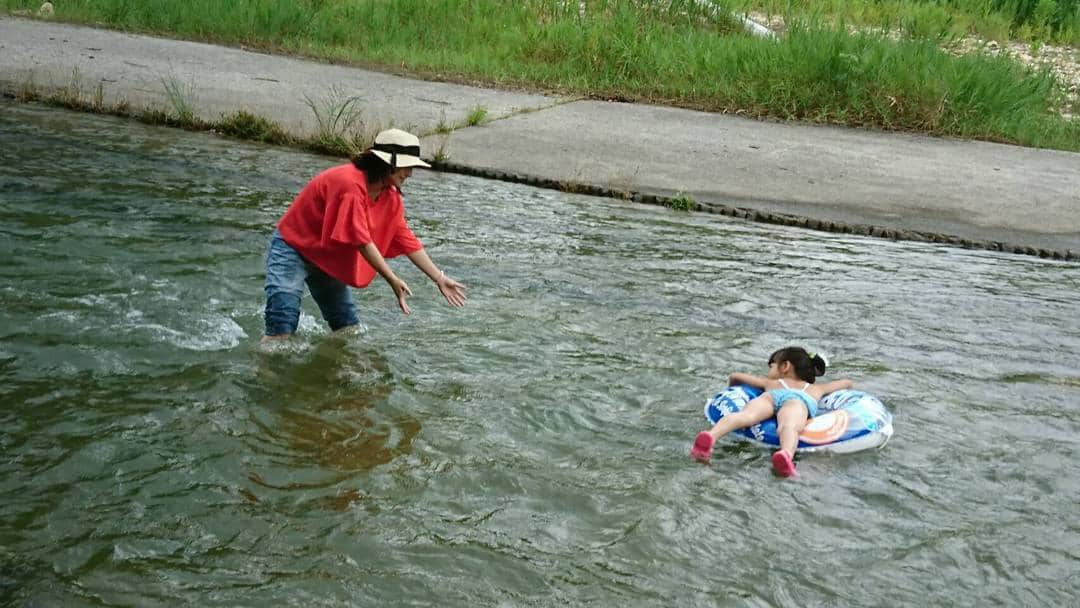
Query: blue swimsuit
column 783, row 395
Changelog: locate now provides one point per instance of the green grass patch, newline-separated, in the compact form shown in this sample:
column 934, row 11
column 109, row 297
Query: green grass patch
column 243, row 125
column 1050, row 21
column 339, row 124
column 476, row 116
column 674, row 52
column 682, row 202
column 182, row 99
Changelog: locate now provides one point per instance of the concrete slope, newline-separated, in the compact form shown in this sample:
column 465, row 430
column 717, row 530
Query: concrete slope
column 988, row 195
column 975, row 190
column 220, row 80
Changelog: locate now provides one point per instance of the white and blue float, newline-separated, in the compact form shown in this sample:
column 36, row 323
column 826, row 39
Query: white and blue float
column 847, row 421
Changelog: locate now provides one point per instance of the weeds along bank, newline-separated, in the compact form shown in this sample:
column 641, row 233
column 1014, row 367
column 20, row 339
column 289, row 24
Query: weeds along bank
column 1055, row 22
column 687, row 53
column 1041, row 34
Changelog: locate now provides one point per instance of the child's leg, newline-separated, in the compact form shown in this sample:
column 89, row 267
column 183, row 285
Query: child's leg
column 790, row 421
column 756, row 410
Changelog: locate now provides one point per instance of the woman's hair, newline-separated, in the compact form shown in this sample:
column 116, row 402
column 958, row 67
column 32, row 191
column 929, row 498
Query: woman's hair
column 375, row 169
column 807, row 366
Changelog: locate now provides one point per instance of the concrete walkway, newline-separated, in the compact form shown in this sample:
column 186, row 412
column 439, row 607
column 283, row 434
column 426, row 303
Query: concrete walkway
column 895, row 185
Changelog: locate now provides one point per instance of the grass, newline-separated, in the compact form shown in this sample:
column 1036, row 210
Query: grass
column 181, row 97
column 674, row 52
column 682, row 202
column 476, row 116
column 1040, row 21
column 243, row 125
column 339, row 123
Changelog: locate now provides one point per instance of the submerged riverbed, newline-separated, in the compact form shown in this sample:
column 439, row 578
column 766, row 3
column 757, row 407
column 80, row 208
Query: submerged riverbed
column 529, row 449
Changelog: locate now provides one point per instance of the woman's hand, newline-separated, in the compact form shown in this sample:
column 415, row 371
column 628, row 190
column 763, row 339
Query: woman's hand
column 401, row 290
column 453, row 291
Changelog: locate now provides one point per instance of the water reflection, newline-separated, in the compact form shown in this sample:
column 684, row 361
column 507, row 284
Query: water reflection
column 326, row 406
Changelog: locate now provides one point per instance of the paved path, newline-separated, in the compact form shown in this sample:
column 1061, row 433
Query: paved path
column 988, row 195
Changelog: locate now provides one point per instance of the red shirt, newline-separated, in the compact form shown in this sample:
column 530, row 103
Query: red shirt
column 333, row 216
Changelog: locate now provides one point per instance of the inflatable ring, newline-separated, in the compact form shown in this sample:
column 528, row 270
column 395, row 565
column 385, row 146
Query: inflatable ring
column 848, row 421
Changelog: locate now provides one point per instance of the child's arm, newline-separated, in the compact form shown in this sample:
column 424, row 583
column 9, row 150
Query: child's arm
column 835, row 385
column 748, row 379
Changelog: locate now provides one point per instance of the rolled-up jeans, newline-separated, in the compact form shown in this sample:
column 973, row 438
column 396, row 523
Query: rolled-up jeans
column 286, row 273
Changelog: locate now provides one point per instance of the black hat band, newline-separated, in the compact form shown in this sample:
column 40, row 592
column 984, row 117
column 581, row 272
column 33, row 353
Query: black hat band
column 395, row 149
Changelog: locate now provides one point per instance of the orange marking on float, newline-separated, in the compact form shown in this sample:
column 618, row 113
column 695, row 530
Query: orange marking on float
column 826, row 427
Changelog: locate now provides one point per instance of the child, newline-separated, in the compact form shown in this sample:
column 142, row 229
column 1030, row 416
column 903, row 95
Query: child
column 793, row 405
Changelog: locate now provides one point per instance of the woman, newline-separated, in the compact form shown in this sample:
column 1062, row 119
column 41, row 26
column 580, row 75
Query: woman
column 339, row 232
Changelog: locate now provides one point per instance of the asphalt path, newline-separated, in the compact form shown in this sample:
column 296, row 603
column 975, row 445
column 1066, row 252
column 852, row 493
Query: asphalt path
column 898, row 185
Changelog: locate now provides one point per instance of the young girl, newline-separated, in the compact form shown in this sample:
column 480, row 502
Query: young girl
column 792, row 404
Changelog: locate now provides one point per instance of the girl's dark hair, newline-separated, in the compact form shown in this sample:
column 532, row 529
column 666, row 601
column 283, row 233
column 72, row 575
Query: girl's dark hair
column 375, row 169
column 807, row 366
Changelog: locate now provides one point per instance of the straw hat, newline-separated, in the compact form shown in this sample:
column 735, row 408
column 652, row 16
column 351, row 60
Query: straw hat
column 398, row 149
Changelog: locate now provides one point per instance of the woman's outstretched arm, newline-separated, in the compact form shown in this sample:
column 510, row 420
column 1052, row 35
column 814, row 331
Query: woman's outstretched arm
column 453, row 291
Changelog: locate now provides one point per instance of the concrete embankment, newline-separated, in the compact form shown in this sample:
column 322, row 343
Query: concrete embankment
column 891, row 185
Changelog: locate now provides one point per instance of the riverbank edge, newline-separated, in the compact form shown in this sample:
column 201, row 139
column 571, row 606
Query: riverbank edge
column 149, row 115
column 757, row 215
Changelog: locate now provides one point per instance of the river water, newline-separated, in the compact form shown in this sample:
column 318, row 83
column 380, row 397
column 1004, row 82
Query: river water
column 527, row 450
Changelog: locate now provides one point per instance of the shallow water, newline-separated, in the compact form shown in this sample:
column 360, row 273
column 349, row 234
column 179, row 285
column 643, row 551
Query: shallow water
column 529, row 449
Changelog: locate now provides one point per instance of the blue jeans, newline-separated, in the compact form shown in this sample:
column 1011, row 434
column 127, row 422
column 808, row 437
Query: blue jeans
column 286, row 273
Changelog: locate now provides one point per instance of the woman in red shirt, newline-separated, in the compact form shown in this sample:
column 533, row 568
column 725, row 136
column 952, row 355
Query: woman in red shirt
column 339, row 232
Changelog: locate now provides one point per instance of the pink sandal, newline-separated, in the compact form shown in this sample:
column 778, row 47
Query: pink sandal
column 702, row 449
column 783, row 464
